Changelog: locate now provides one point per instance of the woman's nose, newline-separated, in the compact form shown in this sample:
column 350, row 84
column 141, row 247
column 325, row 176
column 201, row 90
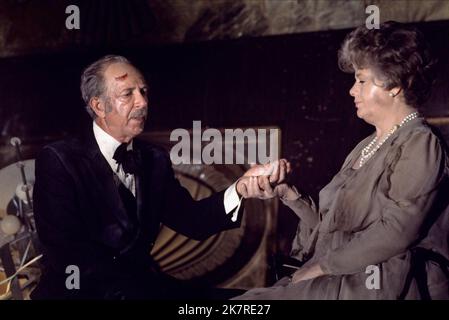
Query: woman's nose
column 352, row 91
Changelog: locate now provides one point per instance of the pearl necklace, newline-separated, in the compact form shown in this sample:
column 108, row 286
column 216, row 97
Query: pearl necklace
column 368, row 153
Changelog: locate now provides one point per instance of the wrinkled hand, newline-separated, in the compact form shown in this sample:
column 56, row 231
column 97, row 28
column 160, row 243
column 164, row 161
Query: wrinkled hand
column 286, row 192
column 276, row 170
column 255, row 187
column 307, row 273
column 259, row 181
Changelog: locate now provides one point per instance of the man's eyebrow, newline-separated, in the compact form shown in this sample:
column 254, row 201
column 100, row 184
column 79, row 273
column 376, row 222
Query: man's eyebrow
column 128, row 89
column 133, row 88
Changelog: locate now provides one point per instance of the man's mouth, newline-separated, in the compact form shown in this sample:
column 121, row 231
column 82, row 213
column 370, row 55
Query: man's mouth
column 138, row 119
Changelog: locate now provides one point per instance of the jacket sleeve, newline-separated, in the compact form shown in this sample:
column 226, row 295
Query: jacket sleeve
column 194, row 219
column 411, row 183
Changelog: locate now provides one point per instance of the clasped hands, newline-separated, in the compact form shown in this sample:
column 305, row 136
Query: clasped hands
column 265, row 181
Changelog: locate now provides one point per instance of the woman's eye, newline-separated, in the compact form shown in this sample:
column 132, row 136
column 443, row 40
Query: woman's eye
column 361, row 81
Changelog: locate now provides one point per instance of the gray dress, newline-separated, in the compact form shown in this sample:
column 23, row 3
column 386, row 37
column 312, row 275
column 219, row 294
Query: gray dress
column 373, row 216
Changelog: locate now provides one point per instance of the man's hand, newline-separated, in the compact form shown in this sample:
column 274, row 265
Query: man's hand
column 307, row 273
column 255, row 187
column 259, row 181
column 276, row 170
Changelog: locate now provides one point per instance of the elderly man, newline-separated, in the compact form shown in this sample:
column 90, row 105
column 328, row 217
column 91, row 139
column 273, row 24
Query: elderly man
column 100, row 198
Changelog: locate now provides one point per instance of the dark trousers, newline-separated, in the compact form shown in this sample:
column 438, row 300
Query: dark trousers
column 138, row 286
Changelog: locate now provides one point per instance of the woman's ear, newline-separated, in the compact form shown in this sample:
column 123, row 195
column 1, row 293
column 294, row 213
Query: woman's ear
column 394, row 92
column 98, row 107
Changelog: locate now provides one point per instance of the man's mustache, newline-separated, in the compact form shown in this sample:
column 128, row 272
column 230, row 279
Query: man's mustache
column 139, row 113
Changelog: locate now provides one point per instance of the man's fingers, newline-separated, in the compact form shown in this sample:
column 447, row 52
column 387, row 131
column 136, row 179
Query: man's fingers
column 289, row 167
column 244, row 190
column 264, row 184
column 274, row 175
column 255, row 170
column 253, row 187
column 257, row 189
column 282, row 171
column 241, row 187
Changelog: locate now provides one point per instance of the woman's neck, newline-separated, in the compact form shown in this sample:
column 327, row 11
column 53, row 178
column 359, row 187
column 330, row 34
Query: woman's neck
column 384, row 127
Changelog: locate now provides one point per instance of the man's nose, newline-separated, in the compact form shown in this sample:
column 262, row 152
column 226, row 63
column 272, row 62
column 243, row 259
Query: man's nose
column 141, row 100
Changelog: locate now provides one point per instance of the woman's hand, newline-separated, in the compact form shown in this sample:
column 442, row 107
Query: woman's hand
column 276, row 170
column 307, row 273
column 286, row 192
column 259, row 181
column 260, row 187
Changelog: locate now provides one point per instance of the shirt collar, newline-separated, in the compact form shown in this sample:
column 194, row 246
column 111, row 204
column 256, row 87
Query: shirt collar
column 107, row 145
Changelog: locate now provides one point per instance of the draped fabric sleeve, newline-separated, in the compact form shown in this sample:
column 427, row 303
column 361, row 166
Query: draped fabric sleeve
column 408, row 188
column 305, row 208
column 309, row 213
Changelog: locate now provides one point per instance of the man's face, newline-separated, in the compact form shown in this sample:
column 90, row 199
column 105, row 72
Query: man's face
column 125, row 101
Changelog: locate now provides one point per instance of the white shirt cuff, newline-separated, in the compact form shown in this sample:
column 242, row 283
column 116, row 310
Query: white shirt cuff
column 232, row 201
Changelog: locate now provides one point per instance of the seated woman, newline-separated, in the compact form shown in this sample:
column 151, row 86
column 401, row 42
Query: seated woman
column 390, row 196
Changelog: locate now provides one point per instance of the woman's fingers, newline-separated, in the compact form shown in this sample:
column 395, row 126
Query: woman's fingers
column 274, row 172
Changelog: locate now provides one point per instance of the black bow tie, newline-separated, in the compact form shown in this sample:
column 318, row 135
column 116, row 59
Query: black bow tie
column 126, row 158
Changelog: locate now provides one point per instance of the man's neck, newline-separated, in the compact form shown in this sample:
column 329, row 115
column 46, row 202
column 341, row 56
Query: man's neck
column 103, row 126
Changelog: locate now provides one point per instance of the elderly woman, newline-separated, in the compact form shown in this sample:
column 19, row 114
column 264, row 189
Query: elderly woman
column 384, row 214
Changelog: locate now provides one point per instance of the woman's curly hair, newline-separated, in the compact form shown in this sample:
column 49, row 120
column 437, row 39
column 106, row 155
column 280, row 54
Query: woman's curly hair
column 398, row 55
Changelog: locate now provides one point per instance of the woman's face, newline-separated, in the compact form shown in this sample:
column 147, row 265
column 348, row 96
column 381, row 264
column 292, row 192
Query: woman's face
column 371, row 99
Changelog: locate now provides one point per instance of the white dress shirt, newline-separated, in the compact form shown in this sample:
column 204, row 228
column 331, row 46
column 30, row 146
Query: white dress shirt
column 108, row 145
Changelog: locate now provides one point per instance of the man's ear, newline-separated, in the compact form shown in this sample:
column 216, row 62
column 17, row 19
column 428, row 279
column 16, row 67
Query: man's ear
column 98, row 107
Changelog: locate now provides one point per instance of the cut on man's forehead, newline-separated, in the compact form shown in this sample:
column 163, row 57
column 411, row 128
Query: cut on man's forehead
column 122, row 77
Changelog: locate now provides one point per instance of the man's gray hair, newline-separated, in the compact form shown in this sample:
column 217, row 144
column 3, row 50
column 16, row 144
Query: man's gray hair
column 92, row 79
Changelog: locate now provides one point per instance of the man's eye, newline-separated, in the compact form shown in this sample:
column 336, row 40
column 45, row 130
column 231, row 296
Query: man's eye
column 127, row 94
column 143, row 91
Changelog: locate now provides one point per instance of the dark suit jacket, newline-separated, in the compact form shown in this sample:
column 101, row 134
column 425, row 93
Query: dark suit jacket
column 81, row 220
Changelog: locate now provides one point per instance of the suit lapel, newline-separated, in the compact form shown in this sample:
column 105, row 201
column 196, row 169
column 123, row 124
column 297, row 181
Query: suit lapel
column 146, row 190
column 141, row 186
column 104, row 183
